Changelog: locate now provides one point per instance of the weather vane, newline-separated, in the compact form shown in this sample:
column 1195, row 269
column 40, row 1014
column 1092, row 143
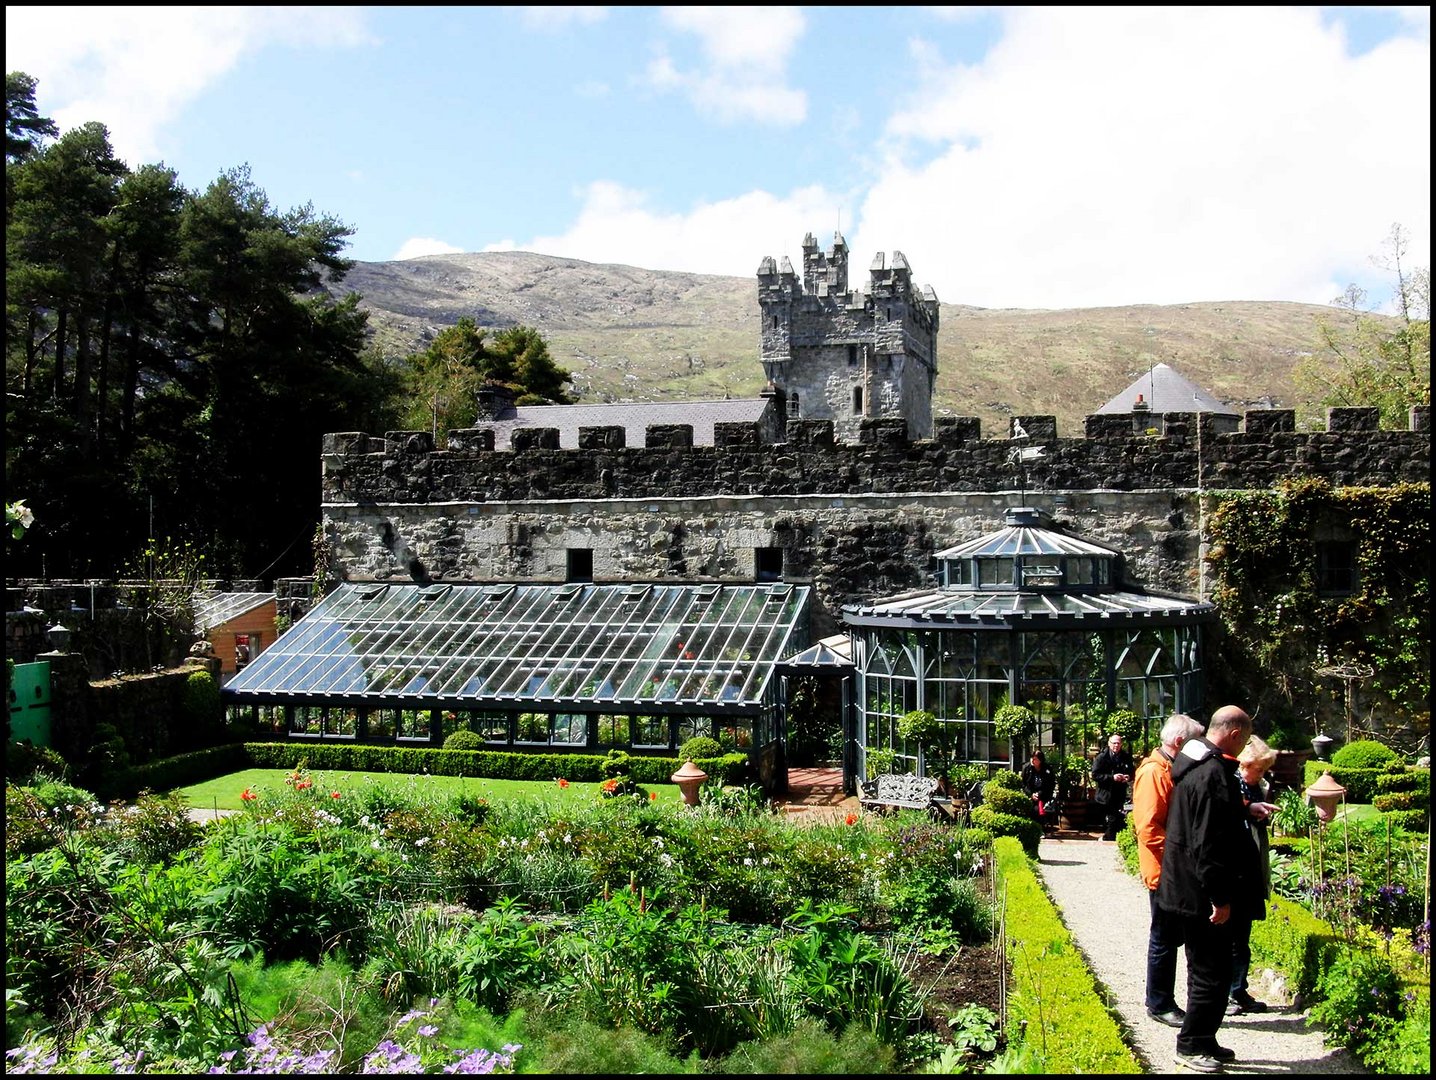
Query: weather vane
column 1020, row 456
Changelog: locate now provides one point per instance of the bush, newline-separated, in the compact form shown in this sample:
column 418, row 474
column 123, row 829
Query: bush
column 1027, row 831
column 1359, row 989
column 24, row 759
column 464, row 740
column 1364, row 754
column 201, row 702
column 700, row 746
column 1054, row 1007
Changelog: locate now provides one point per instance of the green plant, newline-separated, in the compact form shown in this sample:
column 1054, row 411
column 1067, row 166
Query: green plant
column 698, row 747
column 1294, row 816
column 1014, row 722
column 880, row 761
column 464, row 740
column 1357, row 991
column 811, row 1048
column 1123, row 722
column 1364, row 754
column 201, row 701
column 933, row 735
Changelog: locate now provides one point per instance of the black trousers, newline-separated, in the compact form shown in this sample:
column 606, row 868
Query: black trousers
column 1209, row 978
column 1115, row 820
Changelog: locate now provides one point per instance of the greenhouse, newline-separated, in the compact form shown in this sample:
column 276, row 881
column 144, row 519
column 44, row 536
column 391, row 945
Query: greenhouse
column 574, row 666
column 1025, row 615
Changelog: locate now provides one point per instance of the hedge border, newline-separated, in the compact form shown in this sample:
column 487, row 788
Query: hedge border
column 201, row 765
column 1054, row 1003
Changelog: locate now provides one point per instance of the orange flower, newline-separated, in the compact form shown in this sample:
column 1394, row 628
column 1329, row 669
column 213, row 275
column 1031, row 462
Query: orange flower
column 303, row 784
column 334, row 794
column 851, row 819
column 653, row 796
column 247, row 795
column 611, row 785
column 562, row 782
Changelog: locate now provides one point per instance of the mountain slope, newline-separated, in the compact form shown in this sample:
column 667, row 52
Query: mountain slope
column 629, row 334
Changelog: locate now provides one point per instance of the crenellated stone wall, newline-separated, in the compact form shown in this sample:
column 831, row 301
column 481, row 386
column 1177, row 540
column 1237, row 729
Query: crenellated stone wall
column 857, row 520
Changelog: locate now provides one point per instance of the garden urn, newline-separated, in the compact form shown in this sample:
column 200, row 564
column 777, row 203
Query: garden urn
column 1325, row 795
column 689, row 779
column 1321, row 746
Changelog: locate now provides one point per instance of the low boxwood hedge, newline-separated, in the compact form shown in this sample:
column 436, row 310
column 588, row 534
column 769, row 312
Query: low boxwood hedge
column 1054, row 1007
column 203, row 765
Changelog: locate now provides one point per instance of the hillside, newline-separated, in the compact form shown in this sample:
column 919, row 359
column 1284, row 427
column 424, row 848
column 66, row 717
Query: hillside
column 628, row 334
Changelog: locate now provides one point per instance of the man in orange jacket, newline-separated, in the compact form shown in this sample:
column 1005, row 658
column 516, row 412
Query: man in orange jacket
column 1151, row 791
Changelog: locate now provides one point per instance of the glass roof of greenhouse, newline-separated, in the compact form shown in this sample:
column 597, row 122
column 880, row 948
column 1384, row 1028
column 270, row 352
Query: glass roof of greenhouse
column 575, row 646
column 1012, row 605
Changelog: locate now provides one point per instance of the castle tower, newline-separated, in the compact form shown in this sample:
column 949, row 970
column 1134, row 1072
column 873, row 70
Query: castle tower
column 831, row 353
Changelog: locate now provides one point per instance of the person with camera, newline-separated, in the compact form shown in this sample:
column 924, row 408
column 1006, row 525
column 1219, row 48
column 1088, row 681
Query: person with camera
column 1112, row 771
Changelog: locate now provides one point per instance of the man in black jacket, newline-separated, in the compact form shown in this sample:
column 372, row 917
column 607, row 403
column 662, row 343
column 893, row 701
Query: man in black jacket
column 1210, row 870
column 1112, row 771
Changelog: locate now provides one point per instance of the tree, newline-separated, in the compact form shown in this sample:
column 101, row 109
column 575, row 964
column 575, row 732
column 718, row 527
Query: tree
column 24, row 126
column 1367, row 360
column 441, row 384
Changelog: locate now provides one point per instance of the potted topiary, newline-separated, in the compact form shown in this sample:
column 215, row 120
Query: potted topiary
column 1015, row 723
column 935, row 738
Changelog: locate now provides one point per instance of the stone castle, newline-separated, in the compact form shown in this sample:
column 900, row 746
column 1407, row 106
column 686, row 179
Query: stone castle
column 833, row 353
column 853, row 494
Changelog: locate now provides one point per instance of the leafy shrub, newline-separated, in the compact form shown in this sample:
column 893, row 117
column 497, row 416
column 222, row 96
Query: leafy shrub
column 1026, row 830
column 1364, row 754
column 156, row 829
column 464, row 740
column 1294, row 816
column 700, row 746
column 24, row 759
column 616, row 764
column 1014, row 722
column 1053, row 991
column 1123, row 722
column 201, row 701
column 1356, row 991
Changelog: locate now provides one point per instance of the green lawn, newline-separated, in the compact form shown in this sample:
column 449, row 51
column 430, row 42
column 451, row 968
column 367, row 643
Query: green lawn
column 223, row 793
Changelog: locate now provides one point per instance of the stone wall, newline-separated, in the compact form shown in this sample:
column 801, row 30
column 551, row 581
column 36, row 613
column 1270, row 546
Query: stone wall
column 857, row 520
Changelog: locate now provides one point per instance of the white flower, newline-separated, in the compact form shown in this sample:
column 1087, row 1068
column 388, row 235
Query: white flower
column 374, row 843
column 748, row 862
column 421, row 841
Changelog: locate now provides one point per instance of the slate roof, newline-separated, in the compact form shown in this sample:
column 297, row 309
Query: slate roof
column 1166, row 391
column 633, row 417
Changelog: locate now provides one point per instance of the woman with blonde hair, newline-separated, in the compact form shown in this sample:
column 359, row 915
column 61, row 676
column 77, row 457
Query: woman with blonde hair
column 1253, row 763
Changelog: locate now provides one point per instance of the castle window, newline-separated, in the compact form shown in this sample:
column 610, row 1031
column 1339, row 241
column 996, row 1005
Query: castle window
column 857, row 401
column 767, row 564
column 1336, row 567
column 793, row 406
column 580, row 564
column 852, row 356
column 775, row 322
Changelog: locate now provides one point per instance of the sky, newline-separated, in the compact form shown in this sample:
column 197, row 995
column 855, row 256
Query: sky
column 1027, row 157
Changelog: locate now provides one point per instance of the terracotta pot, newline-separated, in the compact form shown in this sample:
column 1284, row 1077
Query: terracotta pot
column 689, row 779
column 1287, row 771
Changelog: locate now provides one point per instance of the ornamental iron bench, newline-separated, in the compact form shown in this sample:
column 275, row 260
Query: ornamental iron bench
column 893, row 791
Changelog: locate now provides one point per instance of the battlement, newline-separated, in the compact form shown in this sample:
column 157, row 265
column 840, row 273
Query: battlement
column 1189, row 452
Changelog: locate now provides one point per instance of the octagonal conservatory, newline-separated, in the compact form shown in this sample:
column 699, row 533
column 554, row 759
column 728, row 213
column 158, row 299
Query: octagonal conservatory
column 1028, row 615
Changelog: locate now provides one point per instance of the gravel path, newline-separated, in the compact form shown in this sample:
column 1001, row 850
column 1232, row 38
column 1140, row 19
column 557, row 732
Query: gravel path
column 1106, row 910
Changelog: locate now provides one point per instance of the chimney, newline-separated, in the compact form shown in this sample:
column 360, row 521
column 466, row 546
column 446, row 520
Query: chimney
column 494, row 402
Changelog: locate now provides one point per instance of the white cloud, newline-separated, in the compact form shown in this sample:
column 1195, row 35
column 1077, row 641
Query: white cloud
column 561, row 18
column 745, row 56
column 729, row 236
column 1157, row 155
column 419, row 246
column 135, row 68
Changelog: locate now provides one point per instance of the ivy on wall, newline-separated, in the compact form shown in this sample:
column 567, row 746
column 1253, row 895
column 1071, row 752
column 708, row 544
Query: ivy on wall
column 1278, row 630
